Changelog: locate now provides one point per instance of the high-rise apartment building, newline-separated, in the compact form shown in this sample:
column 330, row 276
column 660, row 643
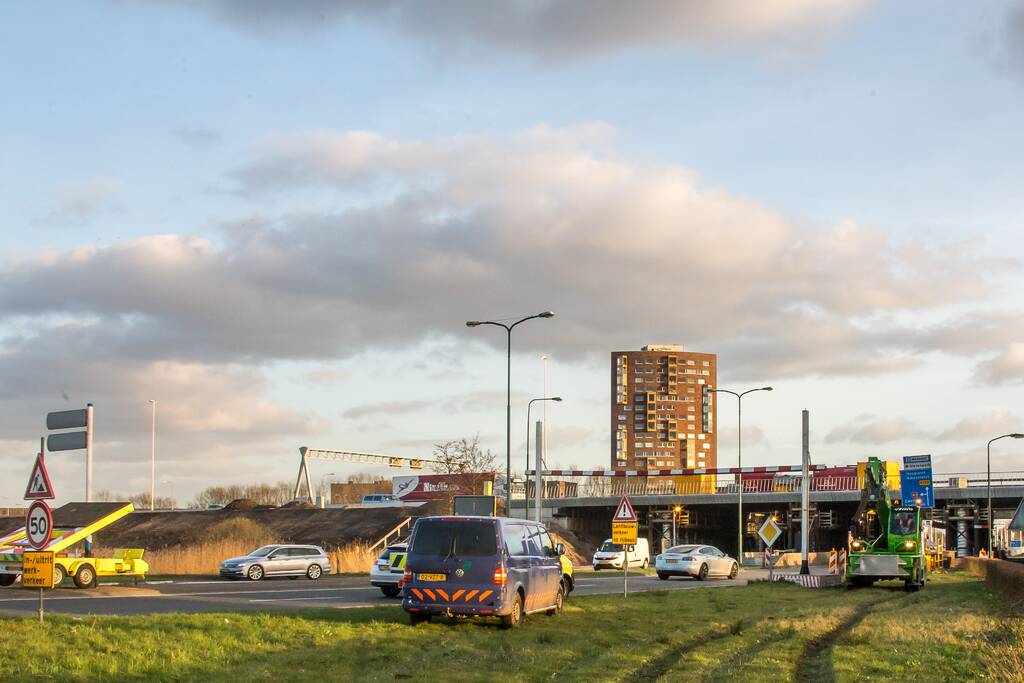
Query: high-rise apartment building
column 662, row 417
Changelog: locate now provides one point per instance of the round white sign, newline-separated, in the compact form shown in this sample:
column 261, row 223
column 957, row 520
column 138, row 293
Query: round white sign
column 38, row 525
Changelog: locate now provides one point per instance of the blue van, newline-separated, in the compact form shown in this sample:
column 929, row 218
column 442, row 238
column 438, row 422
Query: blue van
column 481, row 566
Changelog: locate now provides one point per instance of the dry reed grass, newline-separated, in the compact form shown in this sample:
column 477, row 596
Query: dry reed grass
column 234, row 538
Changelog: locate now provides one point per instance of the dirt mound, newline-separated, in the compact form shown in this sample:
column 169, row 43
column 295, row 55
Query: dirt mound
column 330, row 528
column 575, row 549
column 299, row 505
column 241, row 504
column 236, row 529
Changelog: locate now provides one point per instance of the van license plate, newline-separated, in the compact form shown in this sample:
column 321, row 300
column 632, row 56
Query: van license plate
column 431, row 577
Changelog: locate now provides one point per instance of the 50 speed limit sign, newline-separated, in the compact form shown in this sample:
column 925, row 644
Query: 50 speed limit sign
column 39, row 525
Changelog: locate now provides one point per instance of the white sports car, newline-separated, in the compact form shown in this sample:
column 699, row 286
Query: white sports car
column 698, row 561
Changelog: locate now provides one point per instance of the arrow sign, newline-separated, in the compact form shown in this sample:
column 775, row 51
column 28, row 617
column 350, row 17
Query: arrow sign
column 39, row 486
column 625, row 511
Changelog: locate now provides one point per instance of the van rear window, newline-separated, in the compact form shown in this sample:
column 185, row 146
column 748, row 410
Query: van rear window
column 443, row 537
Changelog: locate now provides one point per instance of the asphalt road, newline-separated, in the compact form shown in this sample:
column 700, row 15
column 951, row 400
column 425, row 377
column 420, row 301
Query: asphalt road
column 330, row 592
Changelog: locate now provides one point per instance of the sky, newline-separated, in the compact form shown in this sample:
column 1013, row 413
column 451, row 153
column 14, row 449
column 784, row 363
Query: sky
column 275, row 218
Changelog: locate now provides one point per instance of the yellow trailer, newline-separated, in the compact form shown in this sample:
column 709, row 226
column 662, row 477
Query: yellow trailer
column 72, row 523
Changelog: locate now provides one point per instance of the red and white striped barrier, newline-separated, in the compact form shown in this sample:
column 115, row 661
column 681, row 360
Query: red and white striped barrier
column 672, row 473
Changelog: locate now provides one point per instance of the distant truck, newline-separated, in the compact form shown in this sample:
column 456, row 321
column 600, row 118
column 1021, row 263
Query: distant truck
column 73, row 523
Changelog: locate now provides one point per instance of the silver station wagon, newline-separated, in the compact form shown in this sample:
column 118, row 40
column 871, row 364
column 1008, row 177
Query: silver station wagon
column 278, row 560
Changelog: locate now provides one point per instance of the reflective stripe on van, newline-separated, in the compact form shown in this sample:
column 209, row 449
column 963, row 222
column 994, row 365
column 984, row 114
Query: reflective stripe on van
column 439, row 594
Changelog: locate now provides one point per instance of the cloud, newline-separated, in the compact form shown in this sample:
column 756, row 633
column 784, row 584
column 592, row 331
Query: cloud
column 197, row 137
column 214, row 423
column 386, row 408
column 556, row 29
column 752, row 436
column 1007, row 366
column 477, row 227
column 466, row 402
column 82, row 200
column 326, row 376
column 873, row 429
column 983, row 427
column 1011, row 44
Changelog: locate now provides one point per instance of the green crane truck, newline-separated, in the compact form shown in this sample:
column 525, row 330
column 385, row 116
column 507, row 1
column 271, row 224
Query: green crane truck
column 886, row 534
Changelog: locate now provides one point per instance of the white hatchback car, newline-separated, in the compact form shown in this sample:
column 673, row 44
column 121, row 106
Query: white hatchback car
column 698, row 561
column 612, row 556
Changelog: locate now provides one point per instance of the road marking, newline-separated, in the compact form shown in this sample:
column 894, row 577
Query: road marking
column 189, row 595
column 314, row 597
column 189, row 583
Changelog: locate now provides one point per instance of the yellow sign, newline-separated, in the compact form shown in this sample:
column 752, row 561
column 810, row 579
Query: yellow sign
column 624, row 533
column 37, row 569
column 769, row 532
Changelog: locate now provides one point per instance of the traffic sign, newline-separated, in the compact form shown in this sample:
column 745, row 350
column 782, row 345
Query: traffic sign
column 769, row 532
column 625, row 511
column 67, row 441
column 916, row 485
column 39, row 525
column 37, row 569
column 39, row 486
column 624, row 533
column 67, row 419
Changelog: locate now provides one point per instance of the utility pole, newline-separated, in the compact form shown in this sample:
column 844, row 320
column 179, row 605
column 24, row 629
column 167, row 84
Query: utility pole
column 152, row 458
column 544, row 359
column 805, row 493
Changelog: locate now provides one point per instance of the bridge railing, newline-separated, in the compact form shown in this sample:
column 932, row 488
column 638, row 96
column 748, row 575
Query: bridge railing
column 594, row 486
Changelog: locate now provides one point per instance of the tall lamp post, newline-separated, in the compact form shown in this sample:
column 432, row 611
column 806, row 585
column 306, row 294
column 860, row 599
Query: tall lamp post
column 1014, row 435
column 508, row 395
column 739, row 458
column 324, row 489
column 544, row 360
column 540, row 453
column 152, row 458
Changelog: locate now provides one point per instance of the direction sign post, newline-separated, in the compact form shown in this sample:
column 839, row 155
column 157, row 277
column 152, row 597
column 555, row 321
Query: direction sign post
column 37, row 572
column 37, row 566
column 916, row 485
column 624, row 533
column 769, row 533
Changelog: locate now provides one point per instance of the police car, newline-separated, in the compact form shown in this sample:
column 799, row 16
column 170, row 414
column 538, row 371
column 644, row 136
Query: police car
column 388, row 569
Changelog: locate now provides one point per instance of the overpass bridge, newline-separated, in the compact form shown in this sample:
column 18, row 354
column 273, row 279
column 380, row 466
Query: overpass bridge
column 584, row 501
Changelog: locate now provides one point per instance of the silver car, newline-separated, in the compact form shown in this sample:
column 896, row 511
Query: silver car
column 278, row 560
column 698, row 561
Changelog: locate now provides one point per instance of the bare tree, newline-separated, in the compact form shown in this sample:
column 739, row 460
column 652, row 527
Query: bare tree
column 365, row 478
column 466, row 465
column 262, row 494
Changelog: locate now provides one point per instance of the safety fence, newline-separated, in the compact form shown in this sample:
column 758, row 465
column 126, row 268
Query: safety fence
column 606, row 484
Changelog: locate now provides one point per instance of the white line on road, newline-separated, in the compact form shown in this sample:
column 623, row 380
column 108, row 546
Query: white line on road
column 188, row 595
column 314, row 597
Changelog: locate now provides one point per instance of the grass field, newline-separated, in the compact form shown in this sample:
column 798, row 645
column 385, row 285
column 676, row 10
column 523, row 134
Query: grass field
column 953, row 630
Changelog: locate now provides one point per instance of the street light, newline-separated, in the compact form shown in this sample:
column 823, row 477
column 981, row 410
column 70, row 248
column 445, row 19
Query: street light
column 544, row 360
column 152, row 459
column 739, row 457
column 323, row 489
column 1013, row 435
column 508, row 395
column 539, row 452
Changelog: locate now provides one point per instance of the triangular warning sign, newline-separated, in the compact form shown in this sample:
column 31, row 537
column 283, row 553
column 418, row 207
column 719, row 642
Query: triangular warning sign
column 39, row 486
column 625, row 511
